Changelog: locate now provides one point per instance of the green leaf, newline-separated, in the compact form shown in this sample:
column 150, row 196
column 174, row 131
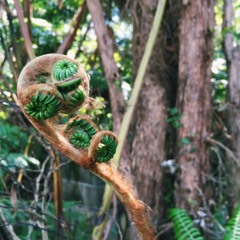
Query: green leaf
column 183, row 225
column 233, row 226
column 14, row 161
column 184, row 141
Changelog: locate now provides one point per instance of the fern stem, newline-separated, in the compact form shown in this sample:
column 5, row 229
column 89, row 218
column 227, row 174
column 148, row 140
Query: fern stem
column 58, row 133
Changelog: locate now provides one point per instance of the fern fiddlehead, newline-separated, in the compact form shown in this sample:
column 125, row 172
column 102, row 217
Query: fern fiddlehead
column 69, row 85
column 62, row 88
column 103, row 146
column 80, row 139
column 50, row 88
column 64, row 69
column 82, row 132
column 106, row 149
column 43, row 106
column 74, row 99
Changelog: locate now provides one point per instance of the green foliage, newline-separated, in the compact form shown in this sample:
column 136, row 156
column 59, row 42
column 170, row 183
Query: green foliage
column 64, row 69
column 219, row 79
column 83, row 133
column 106, row 149
column 174, row 117
column 12, row 138
column 220, row 220
column 49, row 10
column 233, row 226
column 69, row 85
column 12, row 142
column 42, row 37
column 80, row 139
column 82, row 125
column 79, row 219
column 98, row 80
column 76, row 97
column 184, row 141
column 26, row 216
column 43, row 106
column 183, row 225
column 14, row 161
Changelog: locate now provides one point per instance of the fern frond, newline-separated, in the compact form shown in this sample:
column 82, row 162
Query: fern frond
column 15, row 161
column 233, row 226
column 183, row 225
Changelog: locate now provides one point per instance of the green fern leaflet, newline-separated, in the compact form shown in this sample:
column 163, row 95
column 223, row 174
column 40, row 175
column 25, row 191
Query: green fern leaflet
column 183, row 225
column 233, row 226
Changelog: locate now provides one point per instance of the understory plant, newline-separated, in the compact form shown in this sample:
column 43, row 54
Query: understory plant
column 184, row 228
column 233, row 226
column 183, row 225
column 51, row 88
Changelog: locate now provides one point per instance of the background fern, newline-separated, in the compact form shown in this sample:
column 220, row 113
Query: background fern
column 12, row 138
column 233, row 226
column 12, row 143
column 183, row 225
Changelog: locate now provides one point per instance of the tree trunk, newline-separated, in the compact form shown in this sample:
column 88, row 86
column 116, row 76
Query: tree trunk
column 149, row 127
column 194, row 102
column 233, row 61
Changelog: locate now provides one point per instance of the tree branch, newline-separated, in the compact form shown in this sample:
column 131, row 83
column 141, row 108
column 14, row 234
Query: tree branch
column 25, row 33
column 69, row 38
column 105, row 44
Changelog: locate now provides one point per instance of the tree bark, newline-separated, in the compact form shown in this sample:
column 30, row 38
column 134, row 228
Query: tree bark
column 233, row 62
column 194, row 102
column 149, row 127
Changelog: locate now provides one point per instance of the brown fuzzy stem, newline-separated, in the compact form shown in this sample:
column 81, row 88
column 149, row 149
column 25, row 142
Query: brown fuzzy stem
column 139, row 211
column 92, row 152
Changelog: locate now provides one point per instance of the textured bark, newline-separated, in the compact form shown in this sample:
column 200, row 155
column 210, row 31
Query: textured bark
column 147, row 145
column 105, row 45
column 194, row 101
column 233, row 61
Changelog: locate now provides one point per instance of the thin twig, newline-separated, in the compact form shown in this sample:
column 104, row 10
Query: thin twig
column 74, row 25
column 220, row 227
column 228, row 151
column 8, row 226
column 24, row 30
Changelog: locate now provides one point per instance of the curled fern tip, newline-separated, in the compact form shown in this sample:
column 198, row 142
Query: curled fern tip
column 43, row 106
column 106, row 149
column 64, row 69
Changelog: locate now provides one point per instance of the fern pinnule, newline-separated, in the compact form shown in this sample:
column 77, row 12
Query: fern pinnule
column 183, row 225
column 233, row 226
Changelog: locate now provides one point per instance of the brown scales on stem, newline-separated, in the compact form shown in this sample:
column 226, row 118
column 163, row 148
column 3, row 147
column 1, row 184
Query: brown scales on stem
column 56, row 134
